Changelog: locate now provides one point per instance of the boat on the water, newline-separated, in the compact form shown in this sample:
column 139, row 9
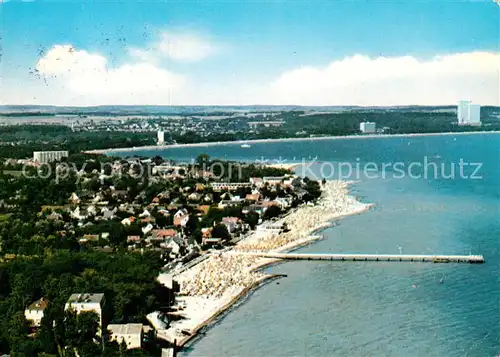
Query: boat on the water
column 245, row 146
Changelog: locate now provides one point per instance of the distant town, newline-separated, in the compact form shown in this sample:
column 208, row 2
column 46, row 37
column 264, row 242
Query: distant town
column 78, row 129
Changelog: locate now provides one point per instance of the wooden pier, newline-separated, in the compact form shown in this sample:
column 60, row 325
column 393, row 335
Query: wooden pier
column 472, row 259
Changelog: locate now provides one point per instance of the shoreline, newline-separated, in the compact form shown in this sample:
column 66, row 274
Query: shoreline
column 206, row 309
column 257, row 141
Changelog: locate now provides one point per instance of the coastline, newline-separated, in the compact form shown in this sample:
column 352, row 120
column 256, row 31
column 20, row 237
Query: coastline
column 205, row 306
column 257, row 141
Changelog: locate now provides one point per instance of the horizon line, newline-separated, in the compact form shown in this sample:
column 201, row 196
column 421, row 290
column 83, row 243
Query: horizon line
column 241, row 105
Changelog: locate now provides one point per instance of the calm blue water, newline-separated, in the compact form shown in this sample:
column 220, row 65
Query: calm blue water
column 371, row 309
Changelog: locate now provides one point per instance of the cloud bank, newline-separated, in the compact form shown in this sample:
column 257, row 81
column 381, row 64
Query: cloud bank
column 78, row 77
column 360, row 80
column 181, row 47
column 87, row 77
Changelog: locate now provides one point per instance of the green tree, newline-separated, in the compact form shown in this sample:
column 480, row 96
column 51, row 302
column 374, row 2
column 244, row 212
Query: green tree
column 17, row 328
column 220, row 231
column 197, row 236
column 252, row 218
column 272, row 212
column 192, row 224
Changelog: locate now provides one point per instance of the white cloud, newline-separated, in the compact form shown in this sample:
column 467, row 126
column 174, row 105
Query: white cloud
column 66, row 60
column 185, row 47
column 78, row 77
column 360, row 80
column 87, row 77
column 178, row 46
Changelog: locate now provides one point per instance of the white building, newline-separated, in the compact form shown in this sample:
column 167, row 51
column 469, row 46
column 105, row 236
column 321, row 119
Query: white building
column 219, row 186
column 474, row 114
column 44, row 157
column 265, row 124
column 161, row 137
column 130, row 333
column 86, row 303
column 273, row 180
column 463, row 111
column 468, row 113
column 34, row 312
column 367, row 127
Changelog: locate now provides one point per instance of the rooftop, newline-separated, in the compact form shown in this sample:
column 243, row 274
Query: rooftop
column 125, row 329
column 40, row 304
column 86, row 298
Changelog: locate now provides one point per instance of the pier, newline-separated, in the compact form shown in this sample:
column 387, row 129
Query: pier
column 472, row 259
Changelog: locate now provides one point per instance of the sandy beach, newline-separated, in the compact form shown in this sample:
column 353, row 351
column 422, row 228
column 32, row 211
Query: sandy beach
column 214, row 285
column 257, row 141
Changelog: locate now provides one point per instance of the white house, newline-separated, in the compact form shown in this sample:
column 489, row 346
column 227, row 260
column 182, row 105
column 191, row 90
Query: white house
column 91, row 210
column 257, row 181
column 77, row 214
column 226, row 196
column 174, row 244
column 195, row 196
column 283, row 202
column 180, row 213
column 147, row 229
column 232, row 223
column 126, row 221
column 34, row 312
column 131, row 334
column 74, row 198
column 87, row 302
column 98, row 197
column 273, row 180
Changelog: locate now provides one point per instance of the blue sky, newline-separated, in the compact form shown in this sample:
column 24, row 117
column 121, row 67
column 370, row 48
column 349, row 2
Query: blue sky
column 253, row 51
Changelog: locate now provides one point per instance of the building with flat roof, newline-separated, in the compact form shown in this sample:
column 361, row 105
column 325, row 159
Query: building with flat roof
column 474, row 114
column 468, row 113
column 131, row 334
column 86, row 302
column 367, row 127
column 265, row 124
column 273, row 180
column 44, row 157
column 219, row 186
column 462, row 111
column 161, row 137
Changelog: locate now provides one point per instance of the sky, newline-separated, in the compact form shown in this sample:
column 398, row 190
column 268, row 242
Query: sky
column 292, row 52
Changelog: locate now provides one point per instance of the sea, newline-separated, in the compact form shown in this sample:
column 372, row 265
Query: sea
column 378, row 308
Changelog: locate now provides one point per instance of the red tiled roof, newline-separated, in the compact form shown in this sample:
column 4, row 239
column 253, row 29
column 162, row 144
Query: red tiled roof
column 204, row 208
column 133, row 238
column 230, row 219
column 164, row 233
